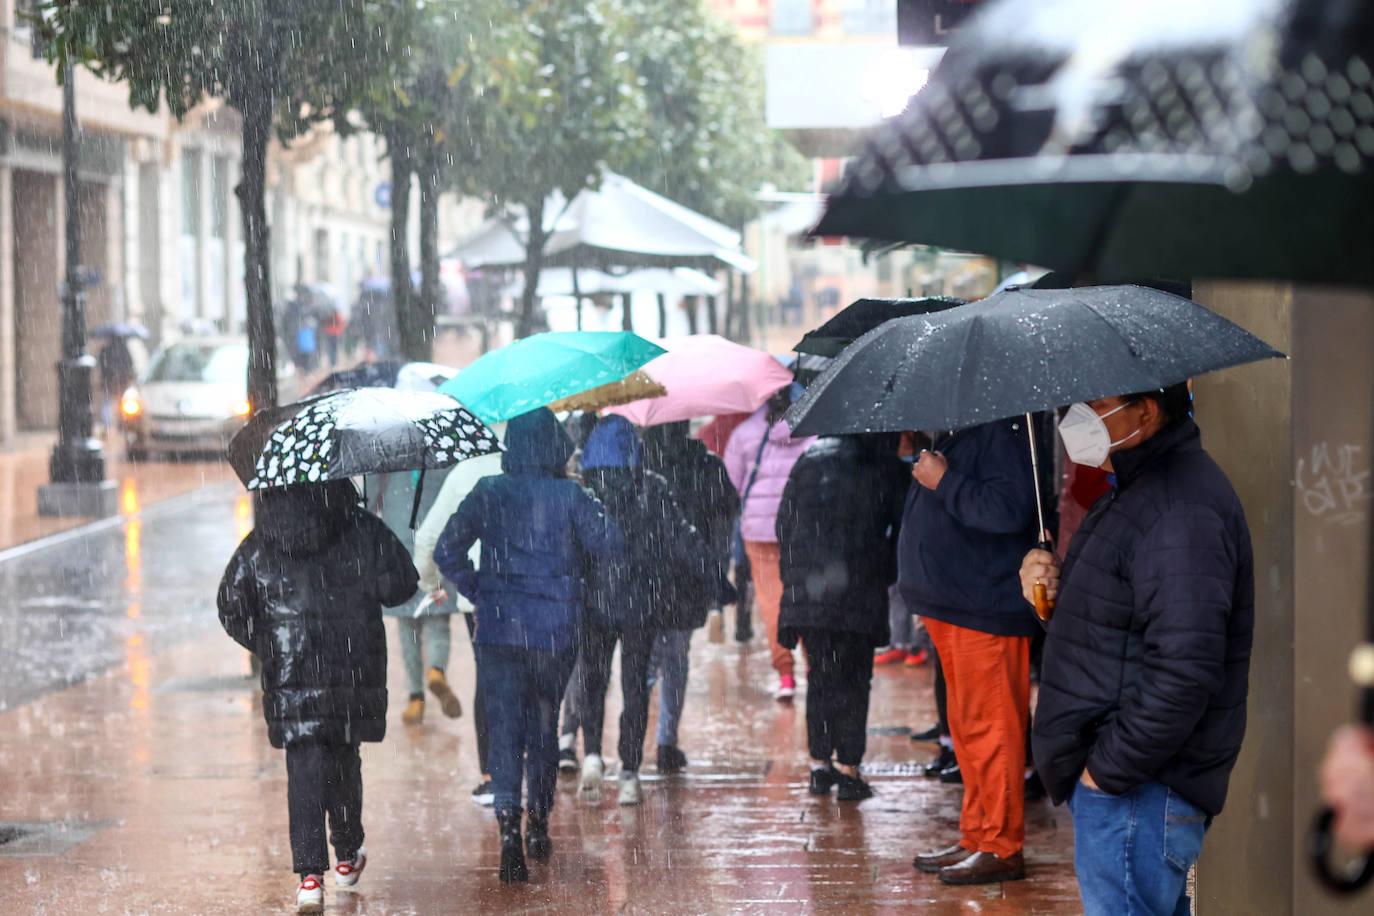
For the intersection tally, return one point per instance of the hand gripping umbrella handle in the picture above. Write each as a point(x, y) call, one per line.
point(1044, 607)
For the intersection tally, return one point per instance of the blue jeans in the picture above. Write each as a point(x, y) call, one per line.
point(1132, 852)
point(522, 689)
point(671, 649)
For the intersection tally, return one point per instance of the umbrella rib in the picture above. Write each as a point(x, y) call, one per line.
point(1130, 347)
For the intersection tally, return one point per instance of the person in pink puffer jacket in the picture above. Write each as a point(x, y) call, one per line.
point(759, 470)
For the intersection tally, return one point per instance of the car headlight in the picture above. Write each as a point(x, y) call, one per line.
point(130, 405)
point(242, 408)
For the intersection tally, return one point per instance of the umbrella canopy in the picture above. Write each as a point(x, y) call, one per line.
point(354, 432)
point(633, 387)
point(862, 316)
point(1016, 352)
point(381, 374)
point(677, 281)
point(539, 370)
point(1167, 139)
point(706, 375)
point(121, 329)
point(618, 223)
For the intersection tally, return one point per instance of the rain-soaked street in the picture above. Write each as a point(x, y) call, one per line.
point(140, 779)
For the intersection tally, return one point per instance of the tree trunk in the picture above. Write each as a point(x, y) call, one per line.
point(712, 317)
point(252, 192)
point(577, 297)
point(627, 315)
point(401, 153)
point(662, 315)
point(690, 304)
point(534, 263)
point(418, 334)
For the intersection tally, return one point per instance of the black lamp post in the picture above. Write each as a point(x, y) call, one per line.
point(77, 466)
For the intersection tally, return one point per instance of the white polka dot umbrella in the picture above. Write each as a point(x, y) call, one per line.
point(353, 432)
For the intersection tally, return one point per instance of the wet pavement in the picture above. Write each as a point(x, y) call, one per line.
point(137, 760)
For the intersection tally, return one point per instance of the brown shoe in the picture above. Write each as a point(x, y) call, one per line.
point(985, 868)
point(448, 700)
point(932, 862)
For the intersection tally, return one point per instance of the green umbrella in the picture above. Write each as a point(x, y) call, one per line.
point(539, 370)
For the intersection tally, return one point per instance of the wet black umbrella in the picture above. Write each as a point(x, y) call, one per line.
point(1019, 351)
point(1173, 138)
point(356, 432)
point(862, 316)
point(380, 374)
point(125, 329)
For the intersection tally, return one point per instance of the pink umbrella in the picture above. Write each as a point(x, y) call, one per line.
point(706, 375)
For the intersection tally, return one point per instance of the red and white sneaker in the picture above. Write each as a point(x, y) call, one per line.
point(347, 872)
point(310, 897)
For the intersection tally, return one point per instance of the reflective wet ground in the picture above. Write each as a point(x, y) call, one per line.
point(139, 779)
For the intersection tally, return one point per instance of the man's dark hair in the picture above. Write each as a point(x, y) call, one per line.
point(1175, 402)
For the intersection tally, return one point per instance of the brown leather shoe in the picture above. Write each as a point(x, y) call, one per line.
point(932, 862)
point(985, 868)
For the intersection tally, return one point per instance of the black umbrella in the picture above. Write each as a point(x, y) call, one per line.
point(862, 316)
point(380, 374)
point(124, 329)
point(1137, 140)
point(356, 432)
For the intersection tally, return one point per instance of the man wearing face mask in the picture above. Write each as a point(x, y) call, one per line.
point(1143, 686)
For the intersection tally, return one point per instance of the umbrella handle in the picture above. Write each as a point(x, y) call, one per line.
point(1044, 607)
point(1319, 845)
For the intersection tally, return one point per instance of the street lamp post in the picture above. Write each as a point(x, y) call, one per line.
point(77, 466)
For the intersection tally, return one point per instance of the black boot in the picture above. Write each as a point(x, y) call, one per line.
point(512, 855)
point(537, 842)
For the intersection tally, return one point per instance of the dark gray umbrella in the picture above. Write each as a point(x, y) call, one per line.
point(1019, 351)
point(1175, 138)
point(355, 432)
point(862, 316)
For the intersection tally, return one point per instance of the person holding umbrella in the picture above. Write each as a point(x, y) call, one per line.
point(534, 526)
point(304, 594)
point(1143, 686)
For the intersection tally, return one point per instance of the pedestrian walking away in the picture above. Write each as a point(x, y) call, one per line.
point(839, 515)
point(422, 623)
point(759, 458)
point(304, 593)
point(969, 520)
point(534, 526)
point(1146, 667)
point(701, 484)
point(456, 486)
point(629, 596)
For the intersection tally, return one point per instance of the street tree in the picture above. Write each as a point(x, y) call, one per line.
point(556, 100)
point(283, 65)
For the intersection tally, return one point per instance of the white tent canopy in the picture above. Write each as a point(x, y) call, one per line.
point(618, 223)
point(672, 282)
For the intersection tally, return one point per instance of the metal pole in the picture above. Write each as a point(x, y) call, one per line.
point(77, 457)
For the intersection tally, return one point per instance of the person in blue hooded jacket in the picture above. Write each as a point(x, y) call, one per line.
point(631, 596)
point(535, 528)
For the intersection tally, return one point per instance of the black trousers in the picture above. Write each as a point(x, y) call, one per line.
point(323, 780)
point(838, 683)
point(479, 708)
point(941, 695)
point(636, 648)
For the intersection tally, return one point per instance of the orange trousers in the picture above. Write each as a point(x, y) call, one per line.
point(988, 681)
point(765, 570)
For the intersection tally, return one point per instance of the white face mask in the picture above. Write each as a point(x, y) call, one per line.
point(1086, 438)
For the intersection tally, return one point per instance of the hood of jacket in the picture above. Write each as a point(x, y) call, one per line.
point(613, 444)
point(303, 520)
point(536, 443)
point(670, 443)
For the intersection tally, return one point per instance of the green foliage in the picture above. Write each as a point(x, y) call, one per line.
point(316, 60)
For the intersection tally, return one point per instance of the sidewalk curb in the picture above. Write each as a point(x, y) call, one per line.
point(172, 503)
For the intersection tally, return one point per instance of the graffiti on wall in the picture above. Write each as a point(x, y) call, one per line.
point(1333, 482)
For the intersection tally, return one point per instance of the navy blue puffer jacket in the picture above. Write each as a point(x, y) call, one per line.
point(534, 525)
point(1147, 661)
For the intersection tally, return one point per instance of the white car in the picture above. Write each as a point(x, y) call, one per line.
point(193, 397)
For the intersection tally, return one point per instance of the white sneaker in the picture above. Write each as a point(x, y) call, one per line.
point(593, 770)
point(310, 896)
point(630, 791)
point(347, 872)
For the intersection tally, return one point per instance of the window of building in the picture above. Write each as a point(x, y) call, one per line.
point(190, 191)
point(792, 17)
point(322, 255)
point(219, 196)
point(24, 33)
point(869, 17)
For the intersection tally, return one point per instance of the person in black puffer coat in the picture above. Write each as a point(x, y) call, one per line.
point(628, 596)
point(702, 486)
point(1143, 687)
point(837, 535)
point(304, 593)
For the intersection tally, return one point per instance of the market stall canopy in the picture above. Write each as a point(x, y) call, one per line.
point(619, 223)
point(672, 282)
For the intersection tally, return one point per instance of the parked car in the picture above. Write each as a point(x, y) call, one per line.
point(193, 397)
